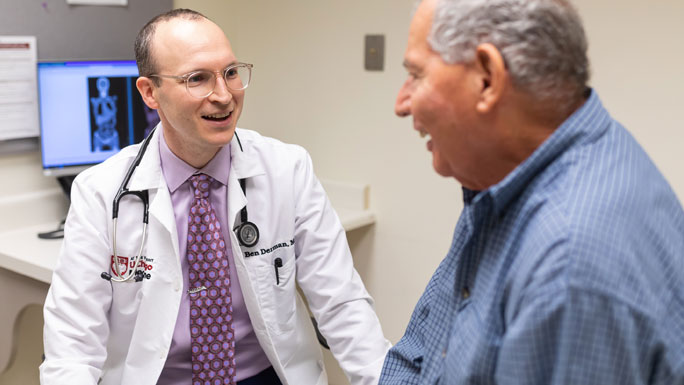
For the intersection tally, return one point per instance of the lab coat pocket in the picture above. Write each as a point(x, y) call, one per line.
point(278, 293)
point(126, 298)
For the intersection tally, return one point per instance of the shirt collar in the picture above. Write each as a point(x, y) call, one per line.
point(585, 125)
point(177, 171)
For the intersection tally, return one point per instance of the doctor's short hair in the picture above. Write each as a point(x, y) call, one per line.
point(542, 42)
point(143, 54)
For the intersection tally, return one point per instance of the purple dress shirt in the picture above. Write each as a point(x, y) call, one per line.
point(250, 358)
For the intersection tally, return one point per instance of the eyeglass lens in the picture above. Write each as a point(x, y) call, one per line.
point(201, 84)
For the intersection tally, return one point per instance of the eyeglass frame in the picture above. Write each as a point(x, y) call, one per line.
point(187, 76)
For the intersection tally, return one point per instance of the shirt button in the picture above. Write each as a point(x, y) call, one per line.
point(465, 293)
point(177, 287)
point(444, 353)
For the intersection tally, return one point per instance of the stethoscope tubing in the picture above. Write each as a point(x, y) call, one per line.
point(144, 197)
point(130, 274)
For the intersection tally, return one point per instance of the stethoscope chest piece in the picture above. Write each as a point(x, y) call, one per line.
point(248, 234)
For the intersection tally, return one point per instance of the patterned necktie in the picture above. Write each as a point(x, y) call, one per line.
point(211, 307)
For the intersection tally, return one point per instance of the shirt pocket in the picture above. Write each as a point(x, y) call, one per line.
point(277, 292)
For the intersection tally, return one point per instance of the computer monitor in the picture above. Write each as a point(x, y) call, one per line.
point(89, 110)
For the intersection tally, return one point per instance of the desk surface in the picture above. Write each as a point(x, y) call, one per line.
point(21, 250)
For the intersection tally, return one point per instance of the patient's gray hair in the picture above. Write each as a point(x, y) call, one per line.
point(542, 42)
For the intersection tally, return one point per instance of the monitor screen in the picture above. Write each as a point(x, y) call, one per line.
point(89, 110)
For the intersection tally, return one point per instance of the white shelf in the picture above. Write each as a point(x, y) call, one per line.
point(351, 201)
point(354, 219)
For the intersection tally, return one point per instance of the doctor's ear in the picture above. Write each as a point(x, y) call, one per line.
point(147, 88)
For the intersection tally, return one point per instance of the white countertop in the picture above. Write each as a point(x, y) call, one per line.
point(21, 251)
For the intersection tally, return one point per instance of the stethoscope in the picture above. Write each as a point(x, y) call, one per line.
point(247, 232)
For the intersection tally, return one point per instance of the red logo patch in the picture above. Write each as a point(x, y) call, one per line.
point(123, 265)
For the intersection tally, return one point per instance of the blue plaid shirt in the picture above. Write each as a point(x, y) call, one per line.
point(568, 271)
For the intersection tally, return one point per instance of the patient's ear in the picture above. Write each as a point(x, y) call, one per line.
point(493, 76)
point(147, 90)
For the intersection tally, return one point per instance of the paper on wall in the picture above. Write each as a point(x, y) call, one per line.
point(98, 2)
point(18, 87)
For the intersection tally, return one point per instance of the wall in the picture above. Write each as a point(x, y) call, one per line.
point(309, 87)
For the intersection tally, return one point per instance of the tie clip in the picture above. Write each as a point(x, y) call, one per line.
point(196, 289)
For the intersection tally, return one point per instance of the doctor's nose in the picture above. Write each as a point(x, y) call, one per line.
point(402, 106)
point(221, 94)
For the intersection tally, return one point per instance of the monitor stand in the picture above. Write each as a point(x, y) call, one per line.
point(65, 183)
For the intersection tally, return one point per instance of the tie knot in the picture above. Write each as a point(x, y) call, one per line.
point(200, 185)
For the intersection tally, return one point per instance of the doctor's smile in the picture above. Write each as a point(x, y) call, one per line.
point(218, 117)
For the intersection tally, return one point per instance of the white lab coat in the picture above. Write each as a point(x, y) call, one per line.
point(121, 332)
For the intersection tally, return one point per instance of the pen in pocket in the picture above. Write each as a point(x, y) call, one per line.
point(277, 263)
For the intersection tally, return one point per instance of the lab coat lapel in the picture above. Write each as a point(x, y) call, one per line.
point(244, 164)
point(149, 176)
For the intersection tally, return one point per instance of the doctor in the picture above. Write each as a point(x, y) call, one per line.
point(205, 307)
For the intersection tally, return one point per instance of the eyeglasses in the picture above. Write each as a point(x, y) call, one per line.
point(201, 84)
